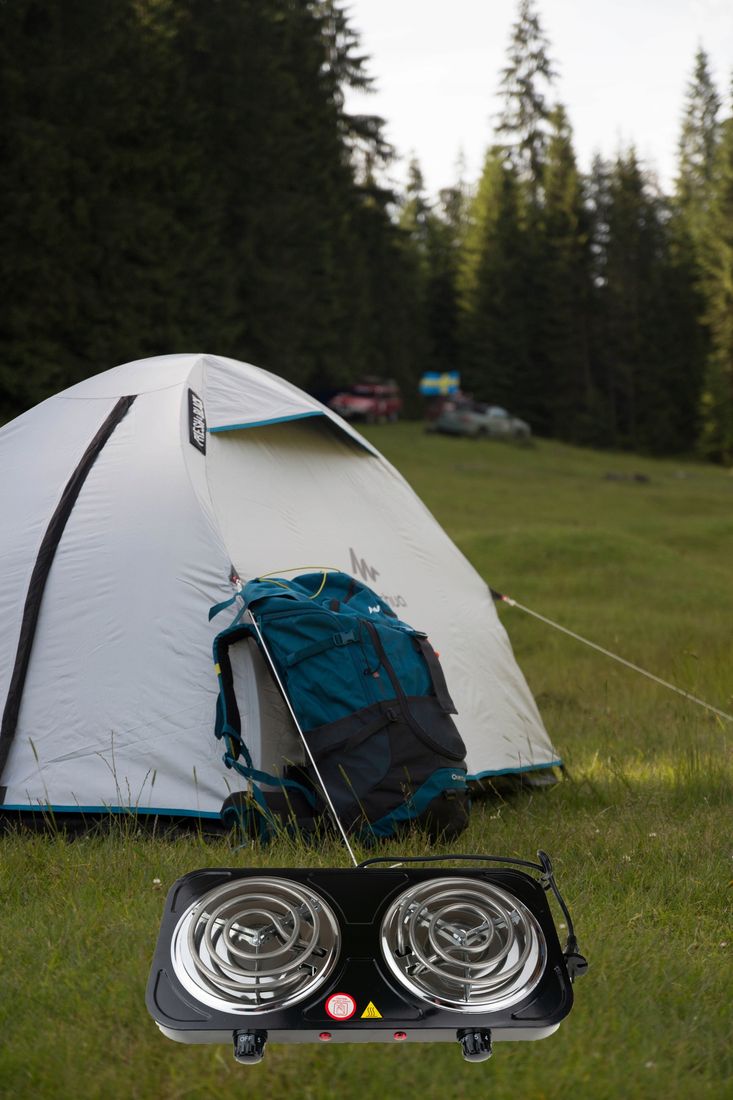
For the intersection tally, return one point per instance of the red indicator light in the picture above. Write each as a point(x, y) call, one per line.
point(325, 1036)
point(399, 1035)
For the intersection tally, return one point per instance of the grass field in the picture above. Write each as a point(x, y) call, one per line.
point(641, 834)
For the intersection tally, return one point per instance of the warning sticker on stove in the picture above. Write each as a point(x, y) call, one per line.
point(340, 1006)
point(371, 1012)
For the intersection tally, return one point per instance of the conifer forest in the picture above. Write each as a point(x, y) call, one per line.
point(186, 175)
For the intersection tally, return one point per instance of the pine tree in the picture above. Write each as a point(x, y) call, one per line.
point(717, 262)
point(495, 348)
point(685, 335)
point(523, 131)
point(523, 124)
point(682, 337)
point(598, 205)
point(564, 319)
point(697, 144)
point(345, 66)
point(628, 268)
point(414, 222)
point(445, 232)
point(647, 377)
point(435, 233)
point(414, 208)
point(390, 322)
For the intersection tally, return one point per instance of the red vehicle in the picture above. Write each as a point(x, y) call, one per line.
point(372, 399)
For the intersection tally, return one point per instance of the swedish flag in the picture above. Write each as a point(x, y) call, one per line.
point(434, 384)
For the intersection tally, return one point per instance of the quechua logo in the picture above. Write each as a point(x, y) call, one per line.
point(196, 422)
point(359, 566)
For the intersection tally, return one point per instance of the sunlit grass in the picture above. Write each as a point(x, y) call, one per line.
point(641, 831)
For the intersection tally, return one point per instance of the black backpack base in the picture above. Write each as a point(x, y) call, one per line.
point(273, 813)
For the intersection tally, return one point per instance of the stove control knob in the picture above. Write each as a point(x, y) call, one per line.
point(249, 1046)
point(475, 1044)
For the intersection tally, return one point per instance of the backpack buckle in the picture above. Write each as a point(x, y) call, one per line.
point(345, 638)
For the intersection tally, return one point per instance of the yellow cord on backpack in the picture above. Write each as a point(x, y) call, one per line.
point(325, 569)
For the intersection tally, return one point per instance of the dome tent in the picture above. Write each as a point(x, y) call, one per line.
point(127, 501)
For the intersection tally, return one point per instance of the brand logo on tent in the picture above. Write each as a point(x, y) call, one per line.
point(369, 574)
point(358, 565)
point(196, 422)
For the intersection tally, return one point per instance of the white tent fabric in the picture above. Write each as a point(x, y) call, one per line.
point(117, 706)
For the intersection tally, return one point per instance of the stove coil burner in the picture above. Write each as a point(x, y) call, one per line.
point(463, 944)
point(255, 945)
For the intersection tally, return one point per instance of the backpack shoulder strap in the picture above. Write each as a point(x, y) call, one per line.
point(440, 687)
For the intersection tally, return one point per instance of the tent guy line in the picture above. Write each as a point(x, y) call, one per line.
point(501, 598)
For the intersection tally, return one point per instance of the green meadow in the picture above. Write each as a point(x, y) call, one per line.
point(640, 830)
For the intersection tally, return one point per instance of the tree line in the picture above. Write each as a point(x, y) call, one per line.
point(186, 175)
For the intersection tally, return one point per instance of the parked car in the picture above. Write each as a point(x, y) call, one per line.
point(373, 400)
point(477, 420)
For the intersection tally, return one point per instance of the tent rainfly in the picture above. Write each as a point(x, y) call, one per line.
point(128, 501)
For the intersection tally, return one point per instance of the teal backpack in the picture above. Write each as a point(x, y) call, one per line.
point(370, 698)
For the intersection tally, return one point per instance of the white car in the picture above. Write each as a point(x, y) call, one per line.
point(471, 418)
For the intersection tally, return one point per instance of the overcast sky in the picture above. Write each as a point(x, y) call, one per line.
point(623, 68)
